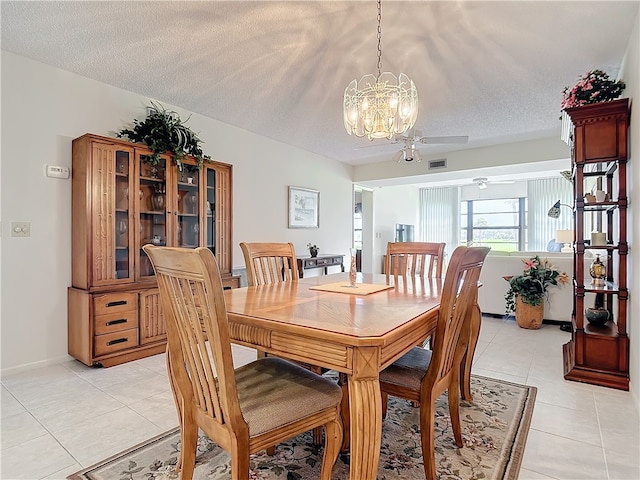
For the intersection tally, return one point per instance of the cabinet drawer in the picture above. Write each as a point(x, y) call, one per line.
point(113, 342)
point(115, 322)
point(114, 302)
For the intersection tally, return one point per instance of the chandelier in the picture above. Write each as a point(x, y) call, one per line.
point(380, 106)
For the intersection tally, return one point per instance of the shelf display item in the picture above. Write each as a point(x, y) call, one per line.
point(598, 271)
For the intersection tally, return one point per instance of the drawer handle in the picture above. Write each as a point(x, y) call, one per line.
point(116, 341)
point(116, 322)
point(116, 303)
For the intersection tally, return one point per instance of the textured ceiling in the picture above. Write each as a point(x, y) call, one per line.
point(491, 70)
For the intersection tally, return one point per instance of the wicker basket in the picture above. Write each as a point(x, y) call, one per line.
point(529, 316)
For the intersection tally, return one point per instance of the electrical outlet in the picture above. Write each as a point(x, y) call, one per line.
point(20, 229)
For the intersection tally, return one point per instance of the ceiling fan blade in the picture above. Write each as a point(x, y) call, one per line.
point(449, 139)
point(504, 182)
point(378, 145)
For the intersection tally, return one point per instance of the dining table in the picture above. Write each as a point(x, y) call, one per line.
point(358, 331)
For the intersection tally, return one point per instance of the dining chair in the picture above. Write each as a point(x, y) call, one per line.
point(422, 375)
point(243, 410)
point(424, 259)
point(269, 263)
point(409, 260)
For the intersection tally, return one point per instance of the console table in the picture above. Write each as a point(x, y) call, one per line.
point(306, 262)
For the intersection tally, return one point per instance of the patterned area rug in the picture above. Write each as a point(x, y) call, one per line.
point(494, 428)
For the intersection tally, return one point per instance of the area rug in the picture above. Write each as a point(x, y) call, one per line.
point(494, 428)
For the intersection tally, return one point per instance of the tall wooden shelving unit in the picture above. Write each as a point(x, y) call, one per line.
point(120, 202)
point(598, 137)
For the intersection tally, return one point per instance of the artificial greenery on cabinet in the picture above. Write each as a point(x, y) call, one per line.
point(163, 131)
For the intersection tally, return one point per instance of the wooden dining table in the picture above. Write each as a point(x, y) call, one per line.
point(357, 335)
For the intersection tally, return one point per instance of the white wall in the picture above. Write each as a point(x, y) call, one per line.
point(392, 205)
point(631, 76)
point(43, 109)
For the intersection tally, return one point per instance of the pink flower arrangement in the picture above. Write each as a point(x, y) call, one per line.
point(593, 87)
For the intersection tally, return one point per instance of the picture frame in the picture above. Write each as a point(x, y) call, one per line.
point(304, 208)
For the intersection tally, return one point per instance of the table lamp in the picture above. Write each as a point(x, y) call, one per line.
point(566, 237)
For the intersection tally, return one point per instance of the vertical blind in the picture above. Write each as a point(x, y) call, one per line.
point(543, 194)
point(440, 216)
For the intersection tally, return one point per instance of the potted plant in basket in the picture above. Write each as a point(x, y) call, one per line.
point(527, 291)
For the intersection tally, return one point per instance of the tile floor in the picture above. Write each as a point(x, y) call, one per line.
point(58, 419)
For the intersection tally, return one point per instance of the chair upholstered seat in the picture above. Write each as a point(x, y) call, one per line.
point(270, 399)
point(408, 370)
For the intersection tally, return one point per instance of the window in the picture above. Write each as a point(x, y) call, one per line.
point(496, 223)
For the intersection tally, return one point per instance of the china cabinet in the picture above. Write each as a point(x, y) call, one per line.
point(598, 352)
point(120, 202)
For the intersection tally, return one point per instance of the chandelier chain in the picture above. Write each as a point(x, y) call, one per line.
point(379, 38)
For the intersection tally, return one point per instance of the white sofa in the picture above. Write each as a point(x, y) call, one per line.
point(494, 287)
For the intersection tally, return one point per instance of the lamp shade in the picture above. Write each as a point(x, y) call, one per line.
point(564, 236)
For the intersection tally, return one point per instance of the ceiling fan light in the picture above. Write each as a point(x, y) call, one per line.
point(399, 156)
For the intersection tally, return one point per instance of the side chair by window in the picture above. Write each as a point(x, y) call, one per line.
point(269, 262)
point(423, 259)
point(410, 260)
point(243, 410)
point(422, 375)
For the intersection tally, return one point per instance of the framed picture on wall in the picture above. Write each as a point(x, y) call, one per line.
point(304, 208)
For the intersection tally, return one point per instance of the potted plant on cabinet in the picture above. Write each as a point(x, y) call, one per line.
point(163, 131)
point(527, 291)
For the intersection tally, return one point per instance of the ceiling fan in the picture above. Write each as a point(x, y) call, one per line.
point(409, 153)
point(482, 182)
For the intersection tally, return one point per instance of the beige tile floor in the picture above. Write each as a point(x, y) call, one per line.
point(58, 419)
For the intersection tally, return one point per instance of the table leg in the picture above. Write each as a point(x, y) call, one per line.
point(365, 407)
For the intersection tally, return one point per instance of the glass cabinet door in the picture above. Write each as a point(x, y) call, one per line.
point(123, 215)
point(210, 209)
point(152, 207)
point(188, 207)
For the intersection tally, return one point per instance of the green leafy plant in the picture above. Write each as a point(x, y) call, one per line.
point(163, 131)
point(532, 285)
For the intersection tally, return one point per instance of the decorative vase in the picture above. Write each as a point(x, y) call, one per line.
point(157, 201)
point(353, 272)
point(529, 316)
point(597, 315)
point(598, 271)
point(313, 252)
